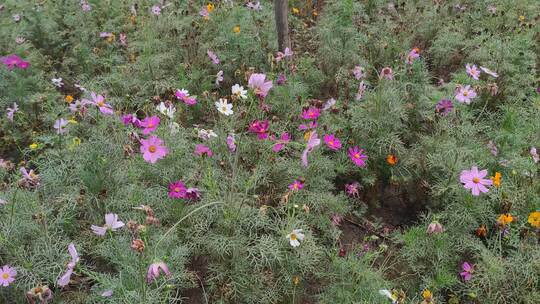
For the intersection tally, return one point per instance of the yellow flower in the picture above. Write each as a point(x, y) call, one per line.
point(236, 29)
point(296, 280)
point(295, 10)
point(521, 18)
point(505, 219)
point(69, 98)
point(496, 179)
point(76, 141)
point(33, 146)
point(111, 38)
point(307, 135)
point(72, 121)
point(534, 219)
point(426, 294)
point(209, 7)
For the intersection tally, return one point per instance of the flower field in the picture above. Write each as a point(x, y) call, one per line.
point(160, 151)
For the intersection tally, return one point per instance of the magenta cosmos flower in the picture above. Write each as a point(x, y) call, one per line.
point(99, 101)
point(259, 84)
point(473, 71)
point(203, 150)
point(311, 114)
point(154, 271)
point(13, 61)
point(259, 127)
point(465, 94)
point(468, 269)
point(332, 142)
point(111, 223)
point(177, 190)
point(313, 141)
point(352, 189)
point(296, 185)
point(150, 124)
point(357, 156)
point(183, 95)
point(474, 180)
point(280, 143)
point(7, 275)
point(152, 149)
point(444, 106)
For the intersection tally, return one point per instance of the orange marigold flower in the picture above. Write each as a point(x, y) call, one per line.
point(496, 179)
point(236, 29)
point(481, 231)
point(391, 159)
point(534, 219)
point(295, 11)
point(209, 7)
point(505, 219)
point(69, 98)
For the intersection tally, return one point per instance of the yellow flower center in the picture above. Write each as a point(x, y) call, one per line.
point(177, 189)
point(476, 180)
point(150, 125)
point(5, 276)
point(293, 237)
point(223, 108)
point(331, 143)
point(101, 103)
point(465, 93)
point(152, 149)
point(357, 155)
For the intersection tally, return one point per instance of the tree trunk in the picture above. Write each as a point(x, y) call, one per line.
point(281, 9)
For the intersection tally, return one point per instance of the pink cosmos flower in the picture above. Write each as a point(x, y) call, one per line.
point(193, 194)
point(465, 94)
point(386, 73)
point(150, 124)
point(79, 106)
point(534, 154)
point(474, 180)
point(309, 126)
point(313, 141)
point(489, 72)
point(11, 111)
point(7, 275)
point(65, 278)
point(444, 106)
point(152, 149)
point(357, 156)
point(254, 6)
point(59, 126)
point(154, 271)
point(156, 10)
point(111, 223)
point(352, 189)
point(30, 178)
point(213, 57)
point(183, 95)
point(202, 150)
point(12, 61)
point(468, 269)
point(177, 190)
point(413, 54)
point(473, 71)
point(296, 185)
point(284, 139)
point(358, 72)
point(434, 228)
point(332, 142)
point(204, 12)
point(259, 84)
point(311, 114)
point(231, 143)
point(99, 101)
point(280, 55)
point(259, 127)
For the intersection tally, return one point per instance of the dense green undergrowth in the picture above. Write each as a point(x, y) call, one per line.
point(218, 214)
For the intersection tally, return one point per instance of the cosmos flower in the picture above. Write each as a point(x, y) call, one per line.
point(65, 278)
point(57, 82)
point(7, 275)
point(295, 237)
point(435, 227)
point(177, 190)
point(444, 106)
point(296, 185)
point(467, 272)
point(254, 6)
point(154, 271)
point(284, 139)
point(332, 142)
point(352, 189)
point(156, 10)
point(489, 72)
point(358, 72)
point(231, 143)
point(223, 107)
point(99, 101)
point(30, 178)
point(149, 124)
point(213, 57)
point(357, 156)
point(474, 180)
point(12, 61)
point(413, 54)
point(259, 84)
point(281, 55)
point(312, 142)
point(386, 73)
point(238, 91)
point(59, 126)
point(329, 103)
point(465, 94)
point(473, 71)
point(184, 96)
point(152, 149)
point(203, 150)
point(259, 127)
point(311, 114)
point(111, 223)
point(166, 110)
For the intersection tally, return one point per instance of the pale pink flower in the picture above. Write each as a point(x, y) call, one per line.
point(473, 71)
point(313, 141)
point(111, 223)
point(474, 180)
point(259, 84)
point(465, 94)
point(213, 57)
point(154, 271)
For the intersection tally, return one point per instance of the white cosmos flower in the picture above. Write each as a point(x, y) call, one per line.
point(239, 91)
point(490, 72)
point(167, 111)
point(223, 107)
point(57, 82)
point(295, 237)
